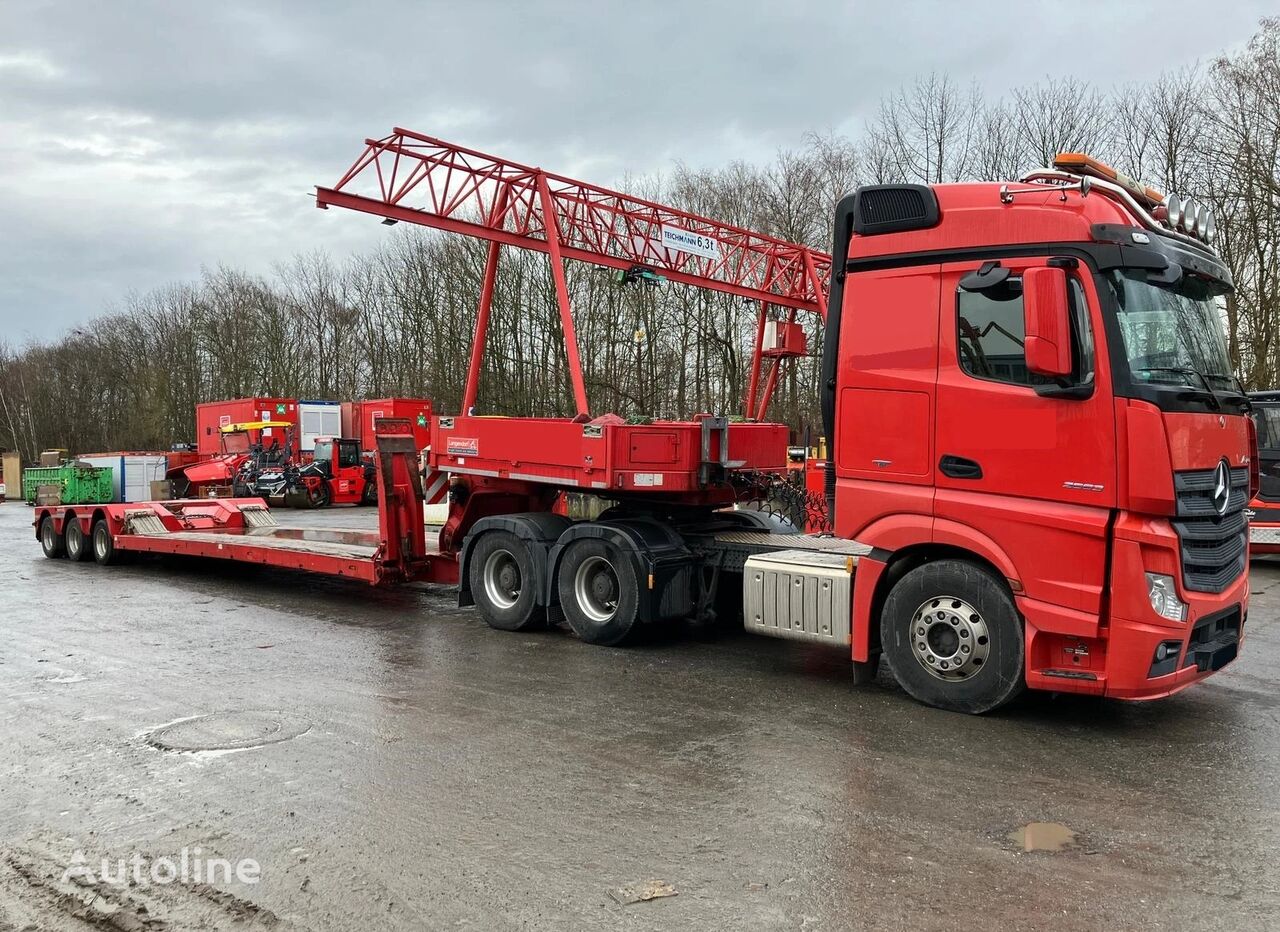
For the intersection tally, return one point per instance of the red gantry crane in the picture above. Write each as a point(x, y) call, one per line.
point(413, 178)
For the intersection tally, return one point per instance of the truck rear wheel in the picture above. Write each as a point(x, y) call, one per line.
point(953, 638)
point(77, 542)
point(504, 582)
point(50, 540)
point(104, 548)
point(599, 592)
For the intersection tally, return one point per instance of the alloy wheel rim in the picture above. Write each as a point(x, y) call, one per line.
point(502, 582)
point(949, 638)
point(595, 586)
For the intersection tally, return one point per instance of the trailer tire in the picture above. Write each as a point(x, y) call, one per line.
point(953, 638)
point(504, 582)
point(599, 592)
point(77, 542)
point(104, 547)
point(51, 541)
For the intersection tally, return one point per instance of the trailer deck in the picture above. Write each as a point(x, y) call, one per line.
point(332, 552)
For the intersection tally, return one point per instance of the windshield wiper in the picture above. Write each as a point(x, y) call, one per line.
point(1187, 370)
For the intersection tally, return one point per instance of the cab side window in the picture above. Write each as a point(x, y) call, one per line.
point(991, 334)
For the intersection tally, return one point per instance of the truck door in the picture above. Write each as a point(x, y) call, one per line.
point(888, 364)
point(1031, 471)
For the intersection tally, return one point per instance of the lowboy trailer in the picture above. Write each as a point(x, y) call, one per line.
point(1040, 459)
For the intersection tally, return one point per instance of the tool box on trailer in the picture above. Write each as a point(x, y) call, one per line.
point(607, 453)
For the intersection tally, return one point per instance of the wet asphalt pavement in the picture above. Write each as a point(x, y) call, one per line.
point(409, 768)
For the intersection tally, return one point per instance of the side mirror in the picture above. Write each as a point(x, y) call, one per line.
point(1046, 322)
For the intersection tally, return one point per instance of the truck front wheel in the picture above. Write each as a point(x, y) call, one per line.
point(953, 638)
point(504, 582)
point(599, 592)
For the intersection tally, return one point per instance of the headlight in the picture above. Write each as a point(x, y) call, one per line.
point(1164, 597)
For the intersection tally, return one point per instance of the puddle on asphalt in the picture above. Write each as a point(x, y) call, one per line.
point(1043, 836)
point(227, 732)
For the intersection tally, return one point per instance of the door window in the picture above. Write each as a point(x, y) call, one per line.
point(992, 334)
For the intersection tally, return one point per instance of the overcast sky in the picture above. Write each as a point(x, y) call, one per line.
point(142, 141)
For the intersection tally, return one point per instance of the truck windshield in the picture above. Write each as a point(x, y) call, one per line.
point(1172, 333)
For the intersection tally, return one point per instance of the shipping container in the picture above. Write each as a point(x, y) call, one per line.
point(317, 419)
point(211, 416)
point(80, 485)
point(358, 418)
point(131, 472)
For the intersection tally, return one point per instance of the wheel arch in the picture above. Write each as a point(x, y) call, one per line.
point(540, 528)
point(896, 565)
point(657, 553)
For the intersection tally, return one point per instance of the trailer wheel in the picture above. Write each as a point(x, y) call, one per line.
point(953, 638)
point(599, 592)
point(77, 542)
point(504, 583)
point(104, 548)
point(51, 541)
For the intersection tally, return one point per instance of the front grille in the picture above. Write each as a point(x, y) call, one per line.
point(1214, 548)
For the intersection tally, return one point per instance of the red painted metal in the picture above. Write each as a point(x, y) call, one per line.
point(472, 389)
point(661, 458)
point(406, 176)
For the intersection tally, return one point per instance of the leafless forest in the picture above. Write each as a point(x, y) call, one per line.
point(397, 321)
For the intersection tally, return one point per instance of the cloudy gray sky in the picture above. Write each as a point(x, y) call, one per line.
point(140, 141)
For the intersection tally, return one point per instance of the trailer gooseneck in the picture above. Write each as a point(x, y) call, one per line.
point(1040, 458)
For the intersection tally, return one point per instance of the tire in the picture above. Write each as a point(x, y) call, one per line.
point(77, 542)
point(322, 496)
point(599, 592)
point(51, 541)
point(953, 638)
point(369, 496)
point(504, 582)
point(104, 548)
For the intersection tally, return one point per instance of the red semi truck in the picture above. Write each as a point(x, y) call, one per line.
point(1040, 460)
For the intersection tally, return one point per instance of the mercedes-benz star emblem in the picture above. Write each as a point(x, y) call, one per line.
point(1221, 488)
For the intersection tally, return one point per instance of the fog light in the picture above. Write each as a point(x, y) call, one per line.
point(1164, 597)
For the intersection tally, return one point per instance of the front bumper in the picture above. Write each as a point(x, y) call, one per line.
point(1120, 656)
point(1206, 642)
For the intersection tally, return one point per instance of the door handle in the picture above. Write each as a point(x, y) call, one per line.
point(957, 467)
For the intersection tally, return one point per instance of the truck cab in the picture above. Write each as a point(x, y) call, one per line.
point(1031, 414)
point(1264, 510)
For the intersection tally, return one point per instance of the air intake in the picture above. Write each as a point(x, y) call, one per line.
point(893, 208)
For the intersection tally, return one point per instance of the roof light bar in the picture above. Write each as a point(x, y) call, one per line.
point(1170, 214)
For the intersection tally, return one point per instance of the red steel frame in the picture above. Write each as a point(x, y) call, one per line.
point(420, 179)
